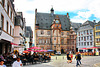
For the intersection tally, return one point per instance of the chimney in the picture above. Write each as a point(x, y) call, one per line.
point(36, 11)
point(68, 15)
point(94, 21)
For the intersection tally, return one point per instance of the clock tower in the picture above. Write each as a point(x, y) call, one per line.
point(56, 33)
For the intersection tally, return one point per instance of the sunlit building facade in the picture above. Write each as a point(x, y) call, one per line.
point(53, 31)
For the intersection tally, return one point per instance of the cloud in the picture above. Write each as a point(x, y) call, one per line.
point(79, 10)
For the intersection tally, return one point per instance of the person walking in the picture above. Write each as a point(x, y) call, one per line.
point(14, 57)
point(78, 59)
point(2, 63)
point(71, 57)
point(68, 58)
point(17, 63)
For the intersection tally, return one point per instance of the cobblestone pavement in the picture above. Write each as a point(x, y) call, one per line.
point(87, 61)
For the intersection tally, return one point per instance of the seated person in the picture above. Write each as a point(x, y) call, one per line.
point(2, 63)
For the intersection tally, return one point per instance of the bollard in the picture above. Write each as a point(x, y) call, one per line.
point(56, 58)
point(63, 57)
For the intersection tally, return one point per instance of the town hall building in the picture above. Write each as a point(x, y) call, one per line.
point(53, 31)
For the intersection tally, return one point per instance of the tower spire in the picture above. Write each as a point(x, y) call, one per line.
point(52, 10)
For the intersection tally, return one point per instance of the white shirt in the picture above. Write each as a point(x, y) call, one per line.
point(3, 66)
point(14, 56)
point(16, 64)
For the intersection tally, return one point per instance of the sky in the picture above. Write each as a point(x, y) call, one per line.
point(79, 10)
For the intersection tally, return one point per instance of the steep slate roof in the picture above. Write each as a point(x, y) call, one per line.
point(76, 25)
point(45, 21)
point(90, 23)
point(98, 23)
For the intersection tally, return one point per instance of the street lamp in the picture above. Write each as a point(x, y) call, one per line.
point(0, 31)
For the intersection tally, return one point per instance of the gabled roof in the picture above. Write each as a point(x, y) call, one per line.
point(92, 24)
point(45, 20)
point(76, 25)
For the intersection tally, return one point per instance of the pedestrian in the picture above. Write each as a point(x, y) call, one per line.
point(17, 63)
point(71, 57)
point(78, 59)
point(2, 63)
point(14, 57)
point(68, 58)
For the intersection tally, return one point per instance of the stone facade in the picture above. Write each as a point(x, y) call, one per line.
point(54, 32)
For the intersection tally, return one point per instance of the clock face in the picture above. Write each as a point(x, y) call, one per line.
point(57, 21)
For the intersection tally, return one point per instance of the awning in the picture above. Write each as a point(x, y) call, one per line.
point(14, 44)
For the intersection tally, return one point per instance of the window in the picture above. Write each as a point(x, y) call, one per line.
point(40, 41)
point(90, 37)
point(11, 15)
point(67, 33)
point(84, 32)
point(79, 44)
point(3, 3)
point(2, 21)
point(87, 37)
point(90, 43)
point(10, 30)
point(84, 38)
point(48, 32)
point(87, 43)
point(42, 32)
point(54, 38)
point(62, 41)
point(8, 9)
point(68, 42)
point(13, 32)
point(62, 33)
point(97, 27)
point(79, 33)
point(97, 40)
point(84, 43)
point(99, 33)
point(81, 38)
point(7, 27)
point(96, 33)
point(72, 42)
point(87, 32)
point(46, 41)
point(90, 31)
